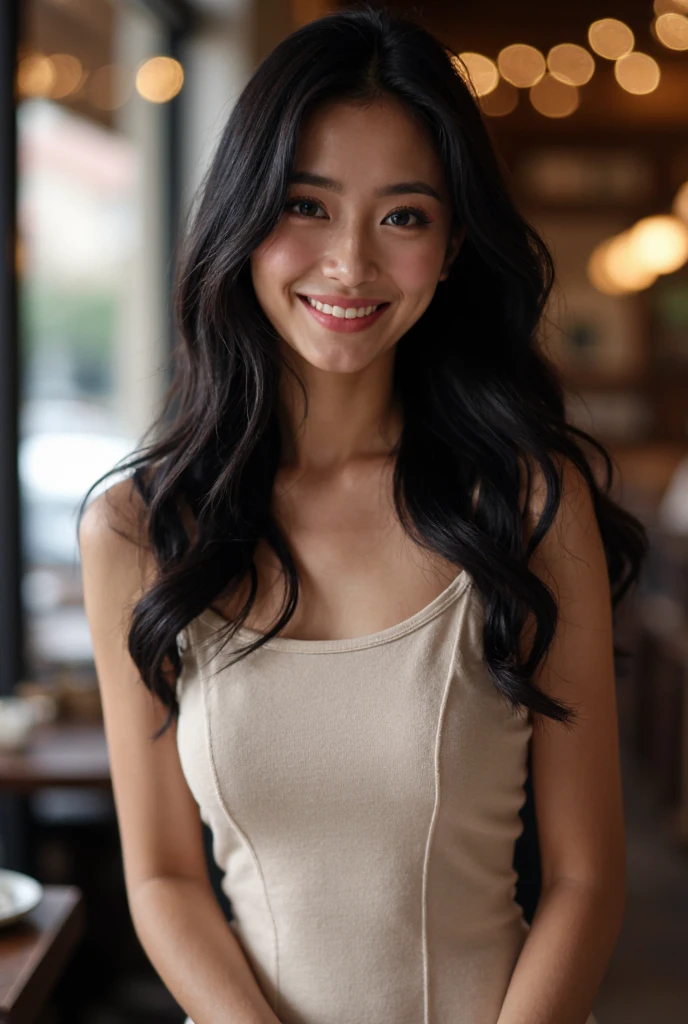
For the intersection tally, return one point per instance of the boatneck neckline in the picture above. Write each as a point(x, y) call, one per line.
point(383, 636)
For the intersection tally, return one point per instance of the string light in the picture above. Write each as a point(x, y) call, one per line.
point(69, 75)
point(159, 79)
point(571, 63)
point(680, 204)
point(613, 268)
point(668, 6)
point(672, 31)
point(109, 87)
point(637, 73)
point(610, 38)
point(659, 243)
point(521, 65)
point(501, 101)
point(554, 98)
point(483, 72)
point(35, 76)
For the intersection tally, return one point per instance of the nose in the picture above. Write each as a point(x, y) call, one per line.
point(350, 258)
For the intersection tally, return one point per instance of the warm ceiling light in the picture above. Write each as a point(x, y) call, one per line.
point(483, 72)
point(672, 31)
point(680, 204)
point(35, 75)
point(637, 73)
point(109, 87)
point(610, 38)
point(69, 74)
point(660, 244)
point(571, 63)
point(159, 79)
point(501, 101)
point(554, 98)
point(613, 268)
point(521, 65)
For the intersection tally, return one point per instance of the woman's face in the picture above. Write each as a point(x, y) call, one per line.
point(367, 222)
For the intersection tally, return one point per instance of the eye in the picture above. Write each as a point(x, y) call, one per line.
point(308, 202)
point(303, 201)
point(413, 211)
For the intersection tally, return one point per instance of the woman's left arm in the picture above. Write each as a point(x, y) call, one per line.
point(576, 780)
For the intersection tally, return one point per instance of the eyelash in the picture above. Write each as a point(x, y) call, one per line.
point(423, 218)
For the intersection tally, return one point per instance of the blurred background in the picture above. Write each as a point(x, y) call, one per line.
point(109, 113)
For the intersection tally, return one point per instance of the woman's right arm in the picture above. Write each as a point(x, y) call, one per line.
point(177, 918)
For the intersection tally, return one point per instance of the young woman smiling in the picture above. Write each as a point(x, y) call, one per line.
point(362, 575)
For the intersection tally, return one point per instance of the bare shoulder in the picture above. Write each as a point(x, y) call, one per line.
point(113, 531)
point(575, 522)
point(119, 512)
point(117, 562)
point(574, 486)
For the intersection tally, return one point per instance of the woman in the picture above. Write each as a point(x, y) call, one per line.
point(365, 567)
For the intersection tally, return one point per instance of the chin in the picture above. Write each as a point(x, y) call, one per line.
point(336, 357)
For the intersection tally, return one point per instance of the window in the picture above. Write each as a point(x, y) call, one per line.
point(92, 130)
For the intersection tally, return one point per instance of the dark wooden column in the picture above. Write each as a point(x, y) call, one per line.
point(11, 653)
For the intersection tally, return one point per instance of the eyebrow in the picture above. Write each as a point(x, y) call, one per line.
point(400, 188)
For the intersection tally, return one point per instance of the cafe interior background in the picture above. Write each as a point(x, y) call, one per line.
point(110, 109)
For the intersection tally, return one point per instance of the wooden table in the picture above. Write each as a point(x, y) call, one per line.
point(35, 950)
point(58, 754)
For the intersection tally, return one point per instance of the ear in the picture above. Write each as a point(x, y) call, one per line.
point(453, 247)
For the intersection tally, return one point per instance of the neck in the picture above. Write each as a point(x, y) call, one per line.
point(350, 415)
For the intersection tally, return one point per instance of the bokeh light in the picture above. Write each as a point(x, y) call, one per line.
point(637, 73)
point(571, 63)
point(610, 38)
point(669, 6)
point(554, 98)
point(109, 87)
point(159, 79)
point(501, 101)
point(69, 75)
point(521, 65)
point(659, 243)
point(483, 72)
point(680, 204)
point(672, 31)
point(36, 76)
point(614, 269)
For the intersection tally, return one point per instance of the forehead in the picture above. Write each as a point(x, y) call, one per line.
point(378, 140)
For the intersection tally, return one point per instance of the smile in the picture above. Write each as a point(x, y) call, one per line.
point(343, 318)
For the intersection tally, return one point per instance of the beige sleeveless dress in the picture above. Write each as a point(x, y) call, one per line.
point(363, 797)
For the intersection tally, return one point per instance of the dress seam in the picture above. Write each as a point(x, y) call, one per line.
point(433, 822)
point(245, 839)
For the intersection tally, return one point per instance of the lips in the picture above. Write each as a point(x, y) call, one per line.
point(340, 324)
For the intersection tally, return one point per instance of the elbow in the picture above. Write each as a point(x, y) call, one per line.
point(605, 897)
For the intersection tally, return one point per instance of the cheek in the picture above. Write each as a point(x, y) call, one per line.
point(415, 267)
point(281, 258)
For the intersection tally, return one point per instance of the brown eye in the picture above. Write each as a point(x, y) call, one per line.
point(301, 202)
point(410, 211)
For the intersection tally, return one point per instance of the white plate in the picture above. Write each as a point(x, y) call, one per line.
point(18, 895)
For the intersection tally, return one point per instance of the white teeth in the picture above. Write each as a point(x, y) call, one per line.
point(342, 313)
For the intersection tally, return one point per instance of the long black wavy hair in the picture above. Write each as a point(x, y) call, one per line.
point(479, 399)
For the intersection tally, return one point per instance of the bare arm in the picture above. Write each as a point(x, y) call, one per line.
point(576, 784)
point(185, 934)
point(177, 919)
